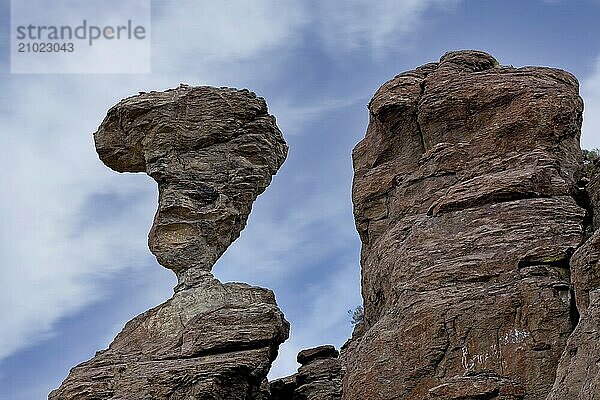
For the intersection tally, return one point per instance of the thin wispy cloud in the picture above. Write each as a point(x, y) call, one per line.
point(373, 25)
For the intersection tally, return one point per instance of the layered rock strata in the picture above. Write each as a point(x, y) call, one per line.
point(319, 377)
point(466, 201)
point(578, 374)
point(212, 152)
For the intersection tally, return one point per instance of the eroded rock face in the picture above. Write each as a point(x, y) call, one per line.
point(212, 152)
point(319, 377)
point(593, 188)
point(578, 375)
point(585, 271)
point(464, 198)
point(480, 386)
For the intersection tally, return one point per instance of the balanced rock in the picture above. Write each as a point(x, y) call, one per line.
point(212, 152)
point(464, 195)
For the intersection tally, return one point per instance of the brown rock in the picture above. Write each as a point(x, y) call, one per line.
point(319, 377)
point(212, 152)
point(482, 386)
point(309, 355)
point(283, 388)
point(578, 375)
point(585, 270)
point(463, 199)
point(213, 341)
point(593, 189)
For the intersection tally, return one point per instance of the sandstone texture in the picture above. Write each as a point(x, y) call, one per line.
point(578, 373)
point(212, 152)
point(467, 202)
point(593, 188)
point(319, 377)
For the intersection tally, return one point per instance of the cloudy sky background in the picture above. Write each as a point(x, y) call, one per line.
point(74, 264)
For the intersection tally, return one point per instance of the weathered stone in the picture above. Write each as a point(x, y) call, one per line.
point(319, 377)
point(464, 201)
point(283, 388)
point(477, 387)
point(213, 341)
point(593, 189)
point(585, 270)
point(308, 355)
point(578, 375)
point(212, 152)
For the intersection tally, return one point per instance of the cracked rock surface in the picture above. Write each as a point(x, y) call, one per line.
point(318, 378)
point(578, 374)
point(212, 152)
point(465, 201)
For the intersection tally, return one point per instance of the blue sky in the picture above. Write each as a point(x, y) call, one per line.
point(74, 264)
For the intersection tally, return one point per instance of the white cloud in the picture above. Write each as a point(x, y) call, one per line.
point(292, 118)
point(207, 41)
point(49, 171)
point(590, 91)
point(276, 246)
point(104, 56)
point(223, 33)
point(372, 24)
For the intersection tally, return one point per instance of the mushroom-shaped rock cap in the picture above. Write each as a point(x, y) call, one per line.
point(309, 355)
point(469, 60)
point(212, 151)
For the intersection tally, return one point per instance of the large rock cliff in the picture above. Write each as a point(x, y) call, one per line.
point(468, 203)
point(212, 152)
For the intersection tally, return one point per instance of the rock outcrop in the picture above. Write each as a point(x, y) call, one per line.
point(319, 377)
point(212, 152)
point(578, 374)
point(468, 208)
